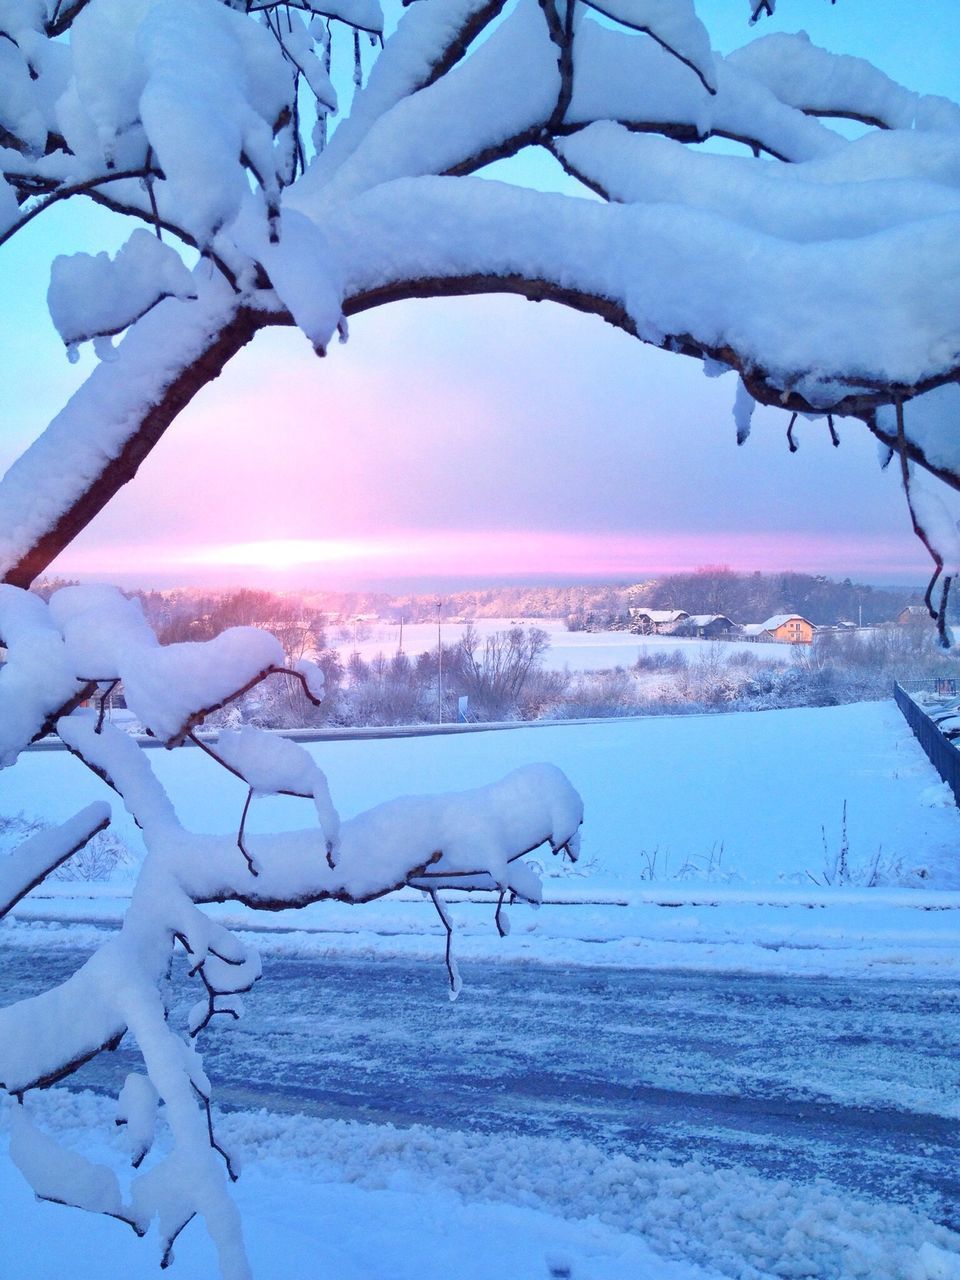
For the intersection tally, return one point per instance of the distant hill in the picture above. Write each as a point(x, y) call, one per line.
point(744, 597)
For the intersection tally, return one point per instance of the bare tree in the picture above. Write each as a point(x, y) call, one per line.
point(495, 670)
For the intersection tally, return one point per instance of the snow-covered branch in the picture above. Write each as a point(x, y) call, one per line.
point(478, 837)
point(31, 863)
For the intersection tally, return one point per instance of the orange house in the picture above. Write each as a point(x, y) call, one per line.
point(788, 628)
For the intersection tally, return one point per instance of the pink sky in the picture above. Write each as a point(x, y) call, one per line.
point(449, 441)
point(495, 554)
point(478, 437)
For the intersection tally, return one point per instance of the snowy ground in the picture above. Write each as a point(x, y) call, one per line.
point(703, 839)
point(569, 650)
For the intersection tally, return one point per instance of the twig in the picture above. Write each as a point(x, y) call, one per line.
point(240, 845)
point(791, 443)
point(452, 970)
point(103, 703)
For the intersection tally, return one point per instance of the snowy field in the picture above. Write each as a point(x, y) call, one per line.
point(703, 840)
point(569, 650)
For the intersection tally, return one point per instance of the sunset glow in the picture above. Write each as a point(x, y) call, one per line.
point(409, 556)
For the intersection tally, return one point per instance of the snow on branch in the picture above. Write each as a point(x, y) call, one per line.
point(30, 863)
point(96, 297)
point(752, 301)
point(231, 169)
point(625, 78)
point(820, 83)
point(96, 443)
point(673, 24)
point(429, 40)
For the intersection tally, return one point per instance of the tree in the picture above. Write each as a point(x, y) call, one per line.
point(494, 672)
point(206, 121)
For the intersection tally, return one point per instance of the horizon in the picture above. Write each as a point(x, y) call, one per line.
point(453, 586)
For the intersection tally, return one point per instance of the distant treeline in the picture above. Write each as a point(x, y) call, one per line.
point(754, 597)
point(744, 597)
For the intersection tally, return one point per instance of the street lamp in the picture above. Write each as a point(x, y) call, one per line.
point(439, 667)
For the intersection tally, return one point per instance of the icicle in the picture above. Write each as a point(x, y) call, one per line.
point(743, 407)
point(343, 329)
point(357, 64)
point(73, 352)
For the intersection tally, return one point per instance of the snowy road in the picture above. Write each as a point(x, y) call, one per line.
point(855, 1083)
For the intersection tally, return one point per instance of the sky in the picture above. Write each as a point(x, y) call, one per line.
point(479, 439)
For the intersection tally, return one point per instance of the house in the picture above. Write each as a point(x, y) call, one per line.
point(912, 614)
point(657, 622)
point(707, 626)
point(782, 628)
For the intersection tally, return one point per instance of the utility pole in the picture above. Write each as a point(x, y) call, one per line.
point(439, 667)
point(400, 646)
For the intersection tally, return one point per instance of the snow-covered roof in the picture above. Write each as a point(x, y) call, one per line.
point(660, 615)
point(754, 628)
point(704, 619)
point(779, 619)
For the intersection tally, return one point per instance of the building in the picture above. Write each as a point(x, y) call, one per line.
point(656, 622)
point(782, 628)
point(912, 614)
point(707, 626)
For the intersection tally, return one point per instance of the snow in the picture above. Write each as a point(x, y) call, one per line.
point(760, 294)
point(427, 133)
point(332, 1196)
point(97, 422)
point(700, 861)
point(673, 25)
point(569, 650)
point(27, 865)
point(702, 842)
point(812, 79)
point(96, 295)
point(202, 99)
point(639, 83)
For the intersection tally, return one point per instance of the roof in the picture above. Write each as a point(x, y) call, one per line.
point(754, 628)
point(660, 615)
point(704, 619)
point(779, 619)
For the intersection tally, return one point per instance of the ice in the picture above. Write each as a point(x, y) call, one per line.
point(743, 407)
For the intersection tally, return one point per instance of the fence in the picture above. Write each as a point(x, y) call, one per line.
point(941, 752)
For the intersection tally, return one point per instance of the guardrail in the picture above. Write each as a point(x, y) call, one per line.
point(940, 751)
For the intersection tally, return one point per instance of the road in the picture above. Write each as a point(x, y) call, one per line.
point(856, 1083)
